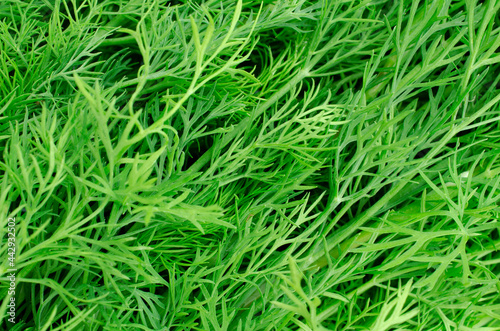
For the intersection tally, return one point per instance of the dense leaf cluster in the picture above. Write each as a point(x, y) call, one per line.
point(251, 165)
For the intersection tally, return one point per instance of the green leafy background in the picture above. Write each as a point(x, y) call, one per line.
point(251, 165)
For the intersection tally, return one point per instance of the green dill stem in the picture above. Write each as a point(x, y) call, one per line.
point(128, 40)
point(374, 91)
point(432, 201)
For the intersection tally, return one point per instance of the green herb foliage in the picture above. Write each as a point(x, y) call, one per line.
point(251, 165)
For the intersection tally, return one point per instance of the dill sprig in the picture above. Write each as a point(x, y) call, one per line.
point(250, 165)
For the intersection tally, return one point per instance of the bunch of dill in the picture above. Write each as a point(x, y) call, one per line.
point(250, 165)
